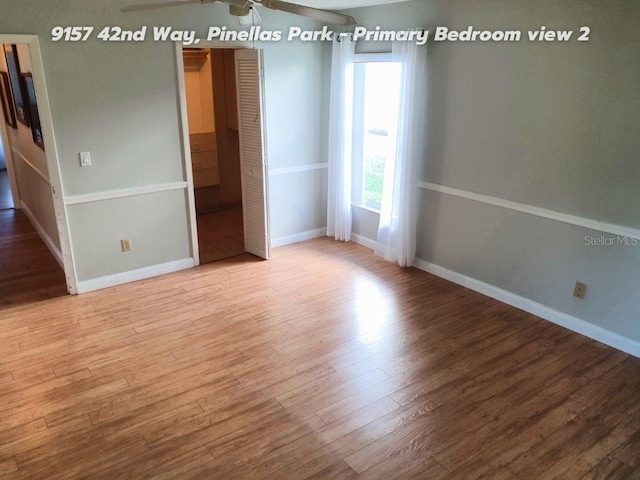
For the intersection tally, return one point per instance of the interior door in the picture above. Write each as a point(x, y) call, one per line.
point(249, 80)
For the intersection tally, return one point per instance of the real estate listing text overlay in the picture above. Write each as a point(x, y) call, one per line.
point(258, 34)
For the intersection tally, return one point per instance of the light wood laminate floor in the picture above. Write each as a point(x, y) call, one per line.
point(324, 362)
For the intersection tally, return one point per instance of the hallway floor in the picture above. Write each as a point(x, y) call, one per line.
point(5, 191)
point(28, 271)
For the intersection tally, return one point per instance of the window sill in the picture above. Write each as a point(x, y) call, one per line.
point(364, 207)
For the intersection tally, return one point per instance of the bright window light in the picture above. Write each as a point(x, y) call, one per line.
point(377, 91)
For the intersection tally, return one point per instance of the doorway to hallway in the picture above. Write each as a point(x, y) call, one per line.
point(5, 191)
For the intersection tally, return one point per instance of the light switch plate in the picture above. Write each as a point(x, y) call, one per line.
point(85, 159)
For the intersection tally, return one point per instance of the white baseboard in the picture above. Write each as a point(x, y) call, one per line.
point(364, 241)
point(298, 237)
point(471, 283)
point(134, 275)
point(575, 324)
point(43, 234)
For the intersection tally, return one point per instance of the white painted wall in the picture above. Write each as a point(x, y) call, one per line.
point(120, 102)
point(548, 125)
point(295, 130)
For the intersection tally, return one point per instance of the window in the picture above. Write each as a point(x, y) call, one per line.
point(375, 118)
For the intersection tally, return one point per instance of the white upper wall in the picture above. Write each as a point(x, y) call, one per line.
point(547, 124)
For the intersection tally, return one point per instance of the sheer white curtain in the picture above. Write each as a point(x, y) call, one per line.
point(399, 207)
point(339, 215)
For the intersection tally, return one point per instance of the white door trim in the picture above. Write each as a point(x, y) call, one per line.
point(186, 154)
point(51, 153)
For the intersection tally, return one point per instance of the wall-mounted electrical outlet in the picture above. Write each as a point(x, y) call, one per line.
point(125, 245)
point(580, 290)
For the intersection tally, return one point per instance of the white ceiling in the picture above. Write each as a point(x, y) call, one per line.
point(342, 4)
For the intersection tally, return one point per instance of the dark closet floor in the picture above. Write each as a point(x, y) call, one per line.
point(220, 234)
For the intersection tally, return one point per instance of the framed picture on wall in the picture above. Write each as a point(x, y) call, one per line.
point(8, 109)
point(17, 84)
point(32, 109)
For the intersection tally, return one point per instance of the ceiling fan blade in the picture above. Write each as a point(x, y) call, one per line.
point(151, 6)
point(315, 13)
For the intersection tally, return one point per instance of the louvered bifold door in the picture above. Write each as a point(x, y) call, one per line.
point(252, 151)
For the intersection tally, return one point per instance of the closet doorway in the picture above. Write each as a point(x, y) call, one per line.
point(223, 95)
point(215, 151)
